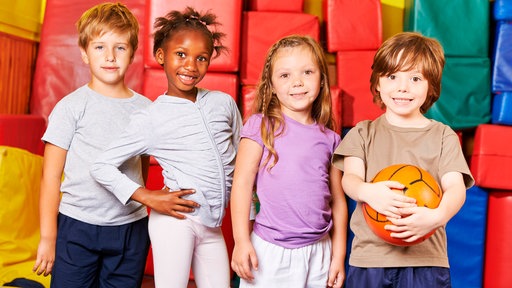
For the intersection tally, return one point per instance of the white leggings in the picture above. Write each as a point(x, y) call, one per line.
point(179, 245)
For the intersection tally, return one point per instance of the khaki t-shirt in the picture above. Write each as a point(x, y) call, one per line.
point(435, 148)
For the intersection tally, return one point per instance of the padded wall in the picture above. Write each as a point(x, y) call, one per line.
point(501, 108)
point(59, 67)
point(492, 157)
point(352, 25)
point(460, 25)
point(502, 54)
point(353, 73)
point(23, 131)
point(20, 177)
point(228, 12)
point(498, 257)
point(272, 5)
point(465, 100)
point(466, 233)
point(261, 29)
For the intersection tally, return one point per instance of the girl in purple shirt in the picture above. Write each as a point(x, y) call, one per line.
point(299, 235)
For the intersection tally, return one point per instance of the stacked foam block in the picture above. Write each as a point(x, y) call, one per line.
point(354, 33)
point(492, 156)
point(462, 28)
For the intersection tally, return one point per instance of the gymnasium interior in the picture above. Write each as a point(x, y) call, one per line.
point(40, 63)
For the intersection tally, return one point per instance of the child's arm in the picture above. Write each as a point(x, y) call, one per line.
point(422, 220)
point(378, 195)
point(49, 199)
point(339, 230)
point(247, 165)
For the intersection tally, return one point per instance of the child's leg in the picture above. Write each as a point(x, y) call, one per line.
point(125, 249)
point(211, 262)
point(76, 255)
point(282, 267)
point(172, 241)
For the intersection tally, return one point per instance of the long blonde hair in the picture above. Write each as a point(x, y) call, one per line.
point(268, 104)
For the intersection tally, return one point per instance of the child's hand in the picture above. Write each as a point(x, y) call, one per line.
point(385, 201)
point(45, 257)
point(243, 260)
point(421, 221)
point(336, 274)
point(170, 202)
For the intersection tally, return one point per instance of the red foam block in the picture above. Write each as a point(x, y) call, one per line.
point(353, 25)
point(276, 6)
point(492, 156)
point(262, 29)
point(498, 251)
point(23, 131)
point(353, 77)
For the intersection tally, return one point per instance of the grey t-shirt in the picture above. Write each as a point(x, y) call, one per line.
point(194, 142)
point(83, 123)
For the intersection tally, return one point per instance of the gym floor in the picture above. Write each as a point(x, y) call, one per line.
point(149, 283)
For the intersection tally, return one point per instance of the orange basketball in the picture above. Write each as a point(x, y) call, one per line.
point(419, 184)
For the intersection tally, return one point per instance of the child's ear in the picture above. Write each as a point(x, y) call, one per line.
point(159, 56)
point(84, 56)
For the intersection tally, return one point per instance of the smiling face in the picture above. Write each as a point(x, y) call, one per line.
point(296, 82)
point(108, 56)
point(185, 58)
point(403, 93)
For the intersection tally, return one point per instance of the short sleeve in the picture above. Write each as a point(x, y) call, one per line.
point(251, 129)
point(452, 158)
point(352, 145)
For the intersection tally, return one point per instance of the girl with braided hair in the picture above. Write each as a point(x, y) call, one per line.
point(299, 235)
point(193, 133)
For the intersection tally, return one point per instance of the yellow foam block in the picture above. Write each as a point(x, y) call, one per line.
point(392, 17)
point(20, 176)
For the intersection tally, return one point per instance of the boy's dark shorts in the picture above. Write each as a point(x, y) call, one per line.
point(399, 277)
point(99, 256)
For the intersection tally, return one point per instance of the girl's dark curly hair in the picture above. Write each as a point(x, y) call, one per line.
point(188, 19)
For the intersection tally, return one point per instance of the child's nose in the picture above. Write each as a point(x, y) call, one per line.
point(297, 82)
point(190, 64)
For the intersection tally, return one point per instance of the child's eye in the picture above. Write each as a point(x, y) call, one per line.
point(121, 48)
point(391, 77)
point(416, 79)
point(180, 54)
point(285, 75)
point(202, 59)
point(98, 47)
point(308, 72)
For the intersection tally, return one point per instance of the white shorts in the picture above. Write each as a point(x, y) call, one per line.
point(283, 267)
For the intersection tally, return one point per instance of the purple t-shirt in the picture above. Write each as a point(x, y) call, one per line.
point(294, 196)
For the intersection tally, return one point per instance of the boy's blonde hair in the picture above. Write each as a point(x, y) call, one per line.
point(267, 103)
point(405, 51)
point(107, 17)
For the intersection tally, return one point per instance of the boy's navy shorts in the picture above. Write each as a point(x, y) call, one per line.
point(399, 277)
point(99, 256)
